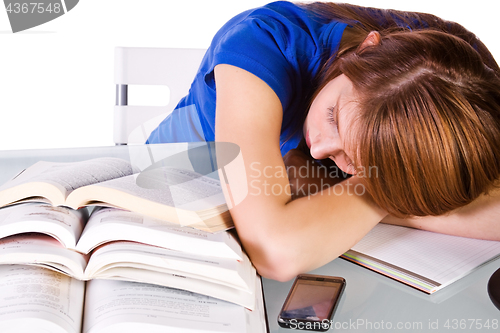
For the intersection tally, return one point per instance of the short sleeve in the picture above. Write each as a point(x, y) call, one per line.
point(279, 43)
point(260, 47)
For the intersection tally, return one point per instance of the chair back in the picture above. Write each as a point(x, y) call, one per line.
point(170, 67)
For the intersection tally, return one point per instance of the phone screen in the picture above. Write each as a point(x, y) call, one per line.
point(312, 298)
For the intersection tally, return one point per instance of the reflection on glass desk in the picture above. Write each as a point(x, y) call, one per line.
point(371, 302)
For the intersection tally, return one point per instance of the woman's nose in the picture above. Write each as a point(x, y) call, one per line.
point(325, 148)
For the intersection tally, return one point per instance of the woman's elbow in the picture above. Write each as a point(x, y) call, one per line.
point(268, 249)
point(275, 273)
point(272, 263)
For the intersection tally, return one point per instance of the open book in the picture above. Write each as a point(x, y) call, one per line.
point(34, 299)
point(422, 259)
point(176, 195)
point(118, 244)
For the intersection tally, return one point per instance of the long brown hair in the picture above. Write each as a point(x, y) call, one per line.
point(428, 108)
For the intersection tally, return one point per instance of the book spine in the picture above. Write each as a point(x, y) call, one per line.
point(419, 282)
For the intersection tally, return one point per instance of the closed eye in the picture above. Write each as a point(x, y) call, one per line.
point(331, 115)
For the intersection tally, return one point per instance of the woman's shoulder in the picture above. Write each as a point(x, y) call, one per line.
point(282, 43)
point(278, 16)
point(290, 30)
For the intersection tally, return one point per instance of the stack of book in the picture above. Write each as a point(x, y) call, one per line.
point(130, 268)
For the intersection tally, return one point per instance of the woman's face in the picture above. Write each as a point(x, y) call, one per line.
point(328, 120)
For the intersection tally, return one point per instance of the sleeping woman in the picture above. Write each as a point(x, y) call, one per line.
point(405, 106)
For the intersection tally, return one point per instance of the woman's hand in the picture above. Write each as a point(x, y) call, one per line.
point(479, 219)
point(308, 176)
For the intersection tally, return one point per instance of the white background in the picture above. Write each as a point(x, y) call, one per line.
point(56, 80)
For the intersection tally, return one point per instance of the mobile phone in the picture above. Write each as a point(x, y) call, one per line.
point(311, 302)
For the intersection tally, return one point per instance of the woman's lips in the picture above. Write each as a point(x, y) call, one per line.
point(308, 141)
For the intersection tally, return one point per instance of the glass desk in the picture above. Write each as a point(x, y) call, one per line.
point(371, 302)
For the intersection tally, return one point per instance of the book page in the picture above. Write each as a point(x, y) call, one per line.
point(126, 307)
point(62, 223)
point(256, 318)
point(111, 224)
point(438, 257)
point(70, 176)
point(173, 187)
point(229, 272)
point(39, 249)
point(201, 286)
point(34, 299)
point(199, 203)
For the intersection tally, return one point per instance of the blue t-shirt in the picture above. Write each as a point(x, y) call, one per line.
point(281, 43)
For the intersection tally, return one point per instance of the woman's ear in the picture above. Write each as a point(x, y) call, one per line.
point(372, 39)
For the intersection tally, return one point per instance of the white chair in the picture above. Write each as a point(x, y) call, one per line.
point(174, 68)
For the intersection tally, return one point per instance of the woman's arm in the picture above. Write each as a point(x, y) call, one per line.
point(479, 219)
point(281, 236)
